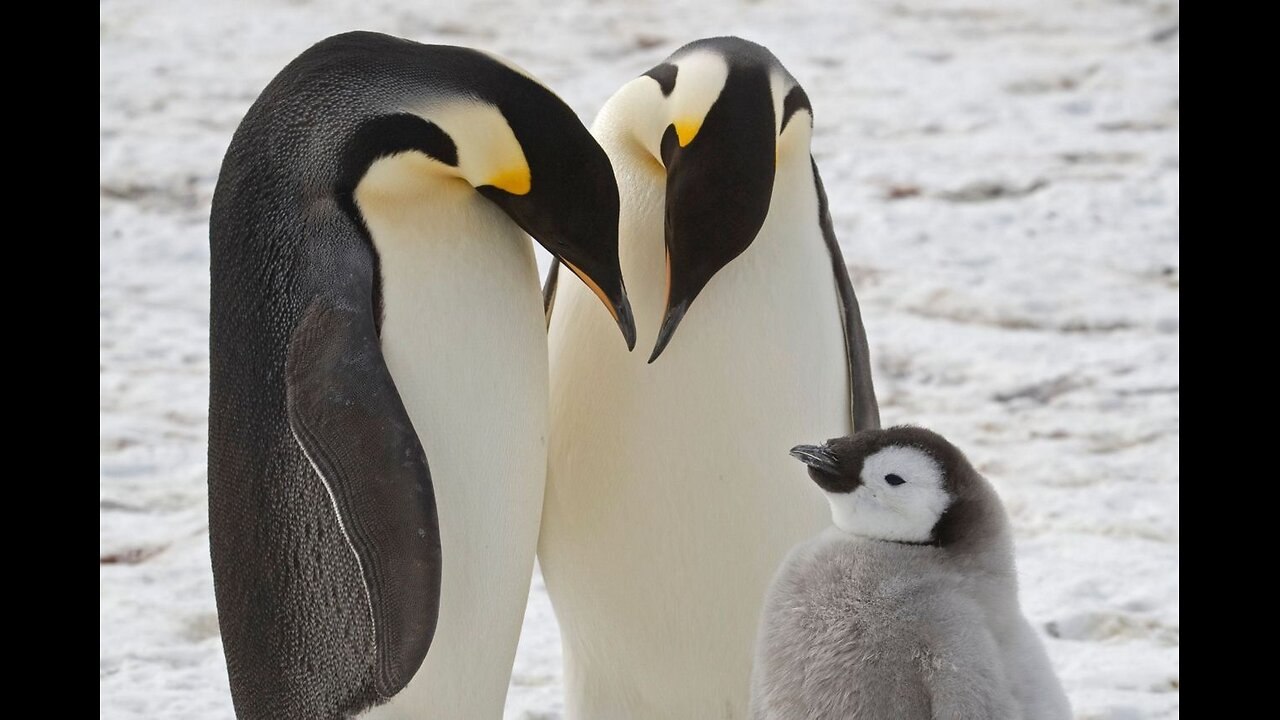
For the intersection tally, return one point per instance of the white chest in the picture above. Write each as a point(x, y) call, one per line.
point(671, 495)
point(463, 336)
point(462, 328)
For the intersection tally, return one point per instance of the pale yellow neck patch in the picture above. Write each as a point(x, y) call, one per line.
point(409, 177)
point(488, 151)
point(778, 93)
point(686, 129)
point(793, 143)
point(641, 111)
point(515, 180)
point(700, 78)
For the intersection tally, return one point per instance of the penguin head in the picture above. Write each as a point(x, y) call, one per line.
point(505, 136)
point(712, 122)
point(903, 484)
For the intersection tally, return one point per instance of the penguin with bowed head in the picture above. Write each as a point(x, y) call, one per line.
point(666, 510)
point(378, 372)
point(908, 607)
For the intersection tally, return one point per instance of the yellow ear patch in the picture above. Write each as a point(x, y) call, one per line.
point(515, 181)
point(686, 130)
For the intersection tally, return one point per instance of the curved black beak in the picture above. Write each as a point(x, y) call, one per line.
point(719, 185)
point(570, 203)
point(824, 468)
point(817, 457)
point(614, 298)
point(578, 223)
point(626, 322)
point(583, 236)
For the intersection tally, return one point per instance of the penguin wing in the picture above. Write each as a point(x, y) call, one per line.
point(863, 408)
point(349, 420)
point(549, 288)
point(961, 664)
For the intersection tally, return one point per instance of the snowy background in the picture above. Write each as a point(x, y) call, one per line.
point(1004, 179)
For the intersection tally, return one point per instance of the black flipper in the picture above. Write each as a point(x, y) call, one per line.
point(863, 407)
point(549, 288)
point(348, 418)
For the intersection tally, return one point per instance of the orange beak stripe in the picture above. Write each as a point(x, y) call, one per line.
point(594, 288)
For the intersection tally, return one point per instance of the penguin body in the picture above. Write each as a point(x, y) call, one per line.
point(480, 410)
point(378, 373)
point(908, 606)
point(663, 521)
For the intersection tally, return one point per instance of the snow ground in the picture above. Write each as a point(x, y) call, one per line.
point(1004, 176)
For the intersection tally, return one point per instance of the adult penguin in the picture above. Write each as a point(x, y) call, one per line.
point(375, 310)
point(668, 501)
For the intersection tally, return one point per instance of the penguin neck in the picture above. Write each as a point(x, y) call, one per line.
point(642, 191)
point(458, 278)
point(982, 550)
point(975, 529)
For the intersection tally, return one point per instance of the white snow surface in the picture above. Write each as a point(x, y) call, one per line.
point(1004, 178)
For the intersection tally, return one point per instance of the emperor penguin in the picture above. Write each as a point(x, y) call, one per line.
point(667, 510)
point(908, 607)
point(378, 369)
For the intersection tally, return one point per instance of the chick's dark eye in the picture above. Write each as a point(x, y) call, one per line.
point(894, 480)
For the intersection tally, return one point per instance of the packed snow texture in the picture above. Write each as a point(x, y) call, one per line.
point(1004, 180)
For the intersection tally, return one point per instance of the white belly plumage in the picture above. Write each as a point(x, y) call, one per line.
point(671, 497)
point(464, 338)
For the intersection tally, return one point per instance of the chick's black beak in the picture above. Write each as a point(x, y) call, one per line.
point(817, 457)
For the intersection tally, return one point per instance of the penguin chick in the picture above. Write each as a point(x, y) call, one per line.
point(908, 607)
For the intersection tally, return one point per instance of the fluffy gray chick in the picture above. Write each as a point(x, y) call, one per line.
point(908, 608)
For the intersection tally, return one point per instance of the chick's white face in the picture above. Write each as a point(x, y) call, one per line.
point(901, 497)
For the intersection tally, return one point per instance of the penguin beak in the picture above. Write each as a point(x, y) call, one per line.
point(614, 298)
point(719, 183)
point(580, 227)
point(817, 457)
point(824, 468)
